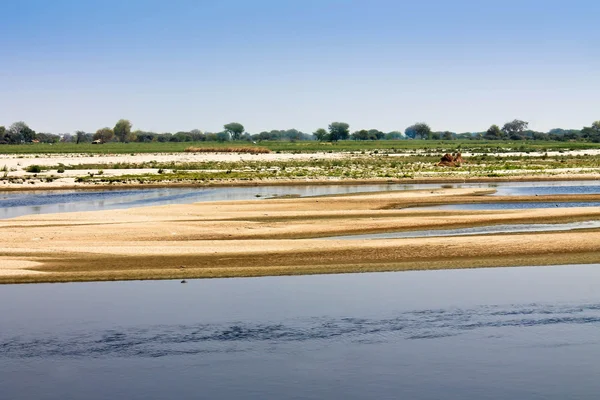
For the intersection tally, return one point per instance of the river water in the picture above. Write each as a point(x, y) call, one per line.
point(518, 333)
point(14, 204)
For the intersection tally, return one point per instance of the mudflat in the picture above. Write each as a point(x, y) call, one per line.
point(284, 237)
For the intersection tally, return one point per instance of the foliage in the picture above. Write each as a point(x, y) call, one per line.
point(123, 132)
point(514, 129)
point(19, 132)
point(104, 135)
point(592, 133)
point(493, 133)
point(249, 150)
point(34, 169)
point(80, 135)
point(420, 129)
point(321, 134)
point(235, 129)
point(386, 146)
point(338, 131)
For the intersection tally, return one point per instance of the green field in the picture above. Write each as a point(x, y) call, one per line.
point(304, 146)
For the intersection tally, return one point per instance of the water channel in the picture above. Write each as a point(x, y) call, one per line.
point(13, 204)
point(523, 333)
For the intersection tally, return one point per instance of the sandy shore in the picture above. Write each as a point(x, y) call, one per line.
point(281, 236)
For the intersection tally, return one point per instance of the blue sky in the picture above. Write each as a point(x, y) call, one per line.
point(178, 65)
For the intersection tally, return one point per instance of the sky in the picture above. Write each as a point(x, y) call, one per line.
point(168, 66)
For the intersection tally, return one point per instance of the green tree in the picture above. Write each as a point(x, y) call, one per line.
point(20, 132)
point(122, 131)
point(235, 129)
point(80, 136)
point(363, 134)
point(2, 134)
point(447, 135)
point(223, 136)
point(514, 129)
point(394, 135)
point(493, 133)
point(104, 134)
point(375, 134)
point(592, 133)
point(338, 131)
point(420, 129)
point(320, 134)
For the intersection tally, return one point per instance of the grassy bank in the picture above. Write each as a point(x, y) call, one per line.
point(303, 147)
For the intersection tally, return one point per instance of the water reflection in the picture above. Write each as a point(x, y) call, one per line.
point(479, 230)
point(511, 206)
point(14, 204)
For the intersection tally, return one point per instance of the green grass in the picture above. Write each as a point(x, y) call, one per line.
point(390, 146)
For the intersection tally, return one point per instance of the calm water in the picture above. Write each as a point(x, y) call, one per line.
point(13, 204)
point(510, 206)
point(478, 230)
point(518, 333)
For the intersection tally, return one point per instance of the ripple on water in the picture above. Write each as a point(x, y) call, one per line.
point(168, 340)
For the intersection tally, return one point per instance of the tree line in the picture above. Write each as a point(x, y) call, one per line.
point(20, 132)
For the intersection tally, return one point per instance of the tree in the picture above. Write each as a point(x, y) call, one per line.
point(361, 135)
point(104, 134)
point(338, 131)
point(224, 136)
point(80, 136)
point(493, 133)
point(375, 134)
point(320, 134)
point(2, 135)
point(20, 132)
point(235, 129)
point(420, 129)
point(514, 129)
point(122, 131)
point(47, 137)
point(394, 135)
point(592, 133)
point(447, 135)
point(197, 135)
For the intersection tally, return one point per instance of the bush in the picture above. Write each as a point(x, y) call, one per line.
point(34, 169)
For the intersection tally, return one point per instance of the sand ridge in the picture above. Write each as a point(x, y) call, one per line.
point(281, 236)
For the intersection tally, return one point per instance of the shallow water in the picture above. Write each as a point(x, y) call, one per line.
point(478, 230)
point(463, 334)
point(13, 204)
point(511, 206)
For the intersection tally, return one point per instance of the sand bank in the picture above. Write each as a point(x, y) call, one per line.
point(278, 236)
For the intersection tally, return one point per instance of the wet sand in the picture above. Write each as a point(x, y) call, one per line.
point(279, 237)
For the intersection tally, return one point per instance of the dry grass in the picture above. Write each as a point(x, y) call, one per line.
point(245, 150)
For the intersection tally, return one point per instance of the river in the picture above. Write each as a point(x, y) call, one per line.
point(524, 333)
point(14, 204)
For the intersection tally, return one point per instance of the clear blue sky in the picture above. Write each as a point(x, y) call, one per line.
point(176, 65)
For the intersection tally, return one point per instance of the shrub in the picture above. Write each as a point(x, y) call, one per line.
point(248, 150)
point(34, 169)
